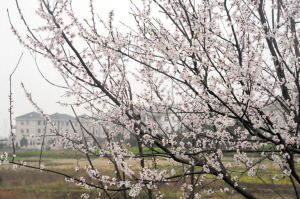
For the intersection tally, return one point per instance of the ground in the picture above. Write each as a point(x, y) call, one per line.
point(27, 183)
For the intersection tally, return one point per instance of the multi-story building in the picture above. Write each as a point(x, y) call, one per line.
point(32, 126)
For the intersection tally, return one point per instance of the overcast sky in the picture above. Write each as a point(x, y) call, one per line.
point(44, 94)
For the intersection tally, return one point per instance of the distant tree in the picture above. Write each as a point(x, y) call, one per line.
point(208, 64)
point(23, 142)
point(132, 141)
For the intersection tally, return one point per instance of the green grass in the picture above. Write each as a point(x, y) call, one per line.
point(135, 150)
point(30, 153)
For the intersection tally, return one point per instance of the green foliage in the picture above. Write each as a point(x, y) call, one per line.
point(24, 153)
point(132, 141)
point(135, 150)
point(23, 142)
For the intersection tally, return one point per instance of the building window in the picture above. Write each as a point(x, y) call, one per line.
point(27, 122)
point(62, 123)
point(22, 130)
point(39, 122)
point(39, 130)
point(22, 122)
point(67, 130)
point(166, 118)
point(67, 123)
point(27, 130)
point(44, 122)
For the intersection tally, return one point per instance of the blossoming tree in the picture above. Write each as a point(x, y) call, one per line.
point(217, 67)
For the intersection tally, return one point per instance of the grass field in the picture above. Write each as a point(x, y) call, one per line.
point(27, 183)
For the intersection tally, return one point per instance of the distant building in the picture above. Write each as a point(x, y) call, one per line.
point(33, 126)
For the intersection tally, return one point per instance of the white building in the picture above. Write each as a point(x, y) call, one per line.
point(32, 126)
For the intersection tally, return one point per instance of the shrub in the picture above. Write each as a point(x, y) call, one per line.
point(23, 142)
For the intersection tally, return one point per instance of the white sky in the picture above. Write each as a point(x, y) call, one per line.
point(44, 94)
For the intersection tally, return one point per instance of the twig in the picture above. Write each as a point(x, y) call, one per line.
point(10, 107)
point(42, 145)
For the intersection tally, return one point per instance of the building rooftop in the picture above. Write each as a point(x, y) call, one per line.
point(58, 116)
point(32, 115)
point(55, 116)
point(84, 116)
